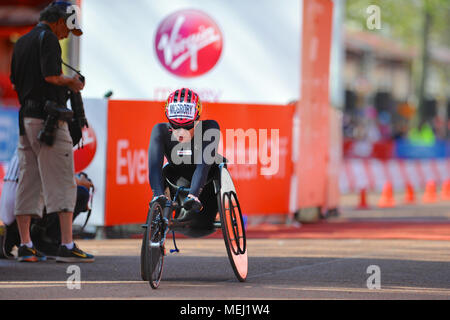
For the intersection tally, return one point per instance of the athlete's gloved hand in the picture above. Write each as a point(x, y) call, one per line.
point(192, 203)
point(162, 199)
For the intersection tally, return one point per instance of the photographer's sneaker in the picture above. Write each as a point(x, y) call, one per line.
point(74, 255)
point(26, 254)
point(50, 250)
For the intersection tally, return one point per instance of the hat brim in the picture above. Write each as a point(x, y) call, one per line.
point(77, 32)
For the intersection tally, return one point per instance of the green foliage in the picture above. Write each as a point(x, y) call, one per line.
point(403, 19)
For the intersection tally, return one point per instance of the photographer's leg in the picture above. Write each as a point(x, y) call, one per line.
point(65, 221)
point(57, 171)
point(27, 252)
point(23, 223)
point(29, 188)
point(60, 191)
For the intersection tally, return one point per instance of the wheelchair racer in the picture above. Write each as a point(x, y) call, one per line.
point(183, 143)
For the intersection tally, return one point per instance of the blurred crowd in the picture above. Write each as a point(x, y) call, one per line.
point(381, 118)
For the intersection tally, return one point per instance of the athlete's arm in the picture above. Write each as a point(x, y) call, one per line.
point(156, 159)
point(204, 164)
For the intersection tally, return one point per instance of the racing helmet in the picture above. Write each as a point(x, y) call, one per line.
point(183, 108)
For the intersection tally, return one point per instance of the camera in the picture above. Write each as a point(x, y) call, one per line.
point(79, 121)
point(76, 102)
point(55, 113)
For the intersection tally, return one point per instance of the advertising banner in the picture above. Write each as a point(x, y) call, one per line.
point(91, 157)
point(9, 132)
point(227, 51)
point(407, 149)
point(255, 139)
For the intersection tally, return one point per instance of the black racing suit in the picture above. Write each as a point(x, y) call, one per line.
point(190, 161)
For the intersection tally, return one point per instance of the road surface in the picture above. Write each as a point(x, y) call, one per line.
point(279, 268)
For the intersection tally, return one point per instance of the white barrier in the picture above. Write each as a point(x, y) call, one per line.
point(372, 174)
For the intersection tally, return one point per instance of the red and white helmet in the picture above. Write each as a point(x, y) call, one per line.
point(182, 108)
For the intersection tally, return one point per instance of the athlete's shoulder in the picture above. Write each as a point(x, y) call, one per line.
point(210, 124)
point(160, 129)
point(163, 126)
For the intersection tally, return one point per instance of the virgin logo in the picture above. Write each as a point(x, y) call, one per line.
point(188, 43)
point(84, 156)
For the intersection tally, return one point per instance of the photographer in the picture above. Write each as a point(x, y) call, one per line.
point(45, 144)
point(45, 232)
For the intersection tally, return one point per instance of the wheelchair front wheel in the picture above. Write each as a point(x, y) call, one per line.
point(152, 251)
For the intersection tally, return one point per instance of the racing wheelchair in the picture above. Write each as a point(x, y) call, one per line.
point(218, 196)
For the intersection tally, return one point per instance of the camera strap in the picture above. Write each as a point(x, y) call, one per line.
point(41, 40)
point(73, 69)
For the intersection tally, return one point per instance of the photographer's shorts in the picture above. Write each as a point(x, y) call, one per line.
point(46, 170)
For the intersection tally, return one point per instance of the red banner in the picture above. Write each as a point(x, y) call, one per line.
point(256, 139)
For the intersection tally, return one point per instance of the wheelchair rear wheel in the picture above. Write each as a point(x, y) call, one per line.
point(233, 229)
point(152, 250)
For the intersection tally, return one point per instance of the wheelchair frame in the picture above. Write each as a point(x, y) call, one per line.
point(160, 221)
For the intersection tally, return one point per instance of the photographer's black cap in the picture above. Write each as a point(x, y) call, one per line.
point(63, 5)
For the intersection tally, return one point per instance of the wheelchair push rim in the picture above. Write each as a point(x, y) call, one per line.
point(152, 253)
point(233, 231)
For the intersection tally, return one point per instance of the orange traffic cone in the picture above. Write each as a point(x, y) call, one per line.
point(409, 196)
point(445, 193)
point(362, 200)
point(430, 195)
point(387, 196)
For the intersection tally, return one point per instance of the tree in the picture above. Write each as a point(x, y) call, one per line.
point(416, 23)
point(403, 19)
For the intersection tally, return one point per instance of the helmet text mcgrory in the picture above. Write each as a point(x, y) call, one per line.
point(260, 148)
point(182, 109)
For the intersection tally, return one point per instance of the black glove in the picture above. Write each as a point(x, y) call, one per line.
point(192, 203)
point(162, 199)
